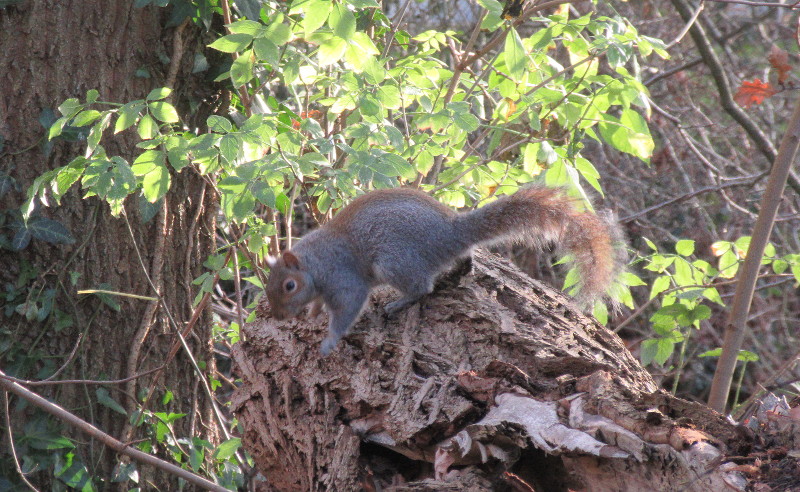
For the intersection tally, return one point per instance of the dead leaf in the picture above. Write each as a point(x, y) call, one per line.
point(779, 60)
point(753, 92)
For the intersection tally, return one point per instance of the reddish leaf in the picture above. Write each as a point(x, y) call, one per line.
point(753, 92)
point(779, 60)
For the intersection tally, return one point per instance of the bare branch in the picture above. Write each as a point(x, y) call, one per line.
point(106, 439)
point(737, 321)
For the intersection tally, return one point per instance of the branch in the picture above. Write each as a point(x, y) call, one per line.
point(737, 321)
point(743, 181)
point(109, 441)
point(792, 6)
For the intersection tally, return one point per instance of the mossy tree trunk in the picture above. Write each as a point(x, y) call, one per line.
point(53, 50)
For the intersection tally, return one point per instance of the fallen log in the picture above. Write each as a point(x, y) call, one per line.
point(494, 382)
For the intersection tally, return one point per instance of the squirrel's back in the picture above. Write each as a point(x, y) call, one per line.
point(400, 225)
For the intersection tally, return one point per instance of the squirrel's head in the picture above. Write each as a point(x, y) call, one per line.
point(289, 287)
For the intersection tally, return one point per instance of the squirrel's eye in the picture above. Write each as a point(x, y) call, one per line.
point(289, 285)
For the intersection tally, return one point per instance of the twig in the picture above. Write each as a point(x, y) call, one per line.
point(761, 4)
point(182, 338)
point(11, 444)
point(737, 322)
point(237, 282)
point(47, 382)
point(734, 182)
point(106, 439)
point(688, 26)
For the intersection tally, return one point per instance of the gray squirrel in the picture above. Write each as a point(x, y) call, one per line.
point(405, 238)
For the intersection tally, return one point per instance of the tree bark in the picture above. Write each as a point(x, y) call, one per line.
point(492, 383)
point(53, 50)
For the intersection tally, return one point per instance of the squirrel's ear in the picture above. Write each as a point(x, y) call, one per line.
point(291, 260)
point(272, 261)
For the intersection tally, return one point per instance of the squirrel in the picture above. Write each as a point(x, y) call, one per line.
point(405, 238)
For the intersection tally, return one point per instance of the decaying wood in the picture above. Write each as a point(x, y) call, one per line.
point(494, 382)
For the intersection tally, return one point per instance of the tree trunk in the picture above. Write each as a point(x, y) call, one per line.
point(53, 50)
point(495, 383)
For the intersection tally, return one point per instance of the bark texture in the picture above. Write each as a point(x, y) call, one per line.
point(494, 382)
point(53, 50)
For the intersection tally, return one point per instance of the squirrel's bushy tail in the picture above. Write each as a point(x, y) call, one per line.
point(537, 215)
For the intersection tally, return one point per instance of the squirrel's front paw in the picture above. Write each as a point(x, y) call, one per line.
point(393, 307)
point(328, 345)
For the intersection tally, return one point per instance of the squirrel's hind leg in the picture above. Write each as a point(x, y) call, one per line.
point(413, 290)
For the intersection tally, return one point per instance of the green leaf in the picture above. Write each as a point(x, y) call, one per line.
point(85, 118)
point(96, 133)
point(316, 14)
point(242, 68)
point(266, 50)
point(660, 284)
point(639, 135)
point(747, 356)
point(70, 107)
point(57, 127)
point(244, 26)
point(105, 399)
point(684, 247)
point(342, 21)
point(278, 33)
point(331, 50)
point(227, 449)
point(127, 116)
point(164, 111)
point(219, 124)
point(492, 6)
point(159, 93)
point(515, 56)
point(711, 353)
point(150, 166)
point(249, 8)
point(657, 350)
point(232, 43)
point(701, 312)
point(37, 435)
point(465, 120)
point(147, 127)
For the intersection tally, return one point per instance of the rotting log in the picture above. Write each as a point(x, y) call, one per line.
point(494, 382)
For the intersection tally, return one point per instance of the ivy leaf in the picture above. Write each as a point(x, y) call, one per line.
point(49, 230)
point(105, 399)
